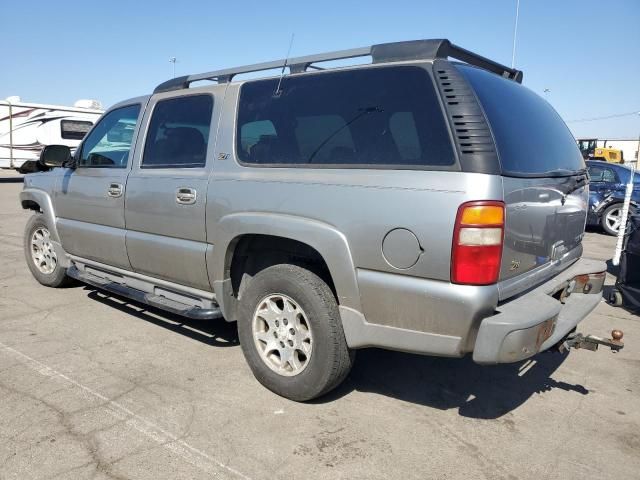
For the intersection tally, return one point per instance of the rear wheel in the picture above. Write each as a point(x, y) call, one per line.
point(612, 218)
point(615, 298)
point(41, 256)
point(291, 334)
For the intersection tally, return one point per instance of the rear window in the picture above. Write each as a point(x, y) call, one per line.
point(530, 136)
point(74, 129)
point(386, 117)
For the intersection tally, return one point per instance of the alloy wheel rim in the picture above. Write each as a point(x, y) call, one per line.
point(614, 218)
point(282, 335)
point(42, 252)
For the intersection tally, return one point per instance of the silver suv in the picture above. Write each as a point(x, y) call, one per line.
point(413, 203)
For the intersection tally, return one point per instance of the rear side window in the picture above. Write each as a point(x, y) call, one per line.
point(178, 133)
point(531, 138)
point(601, 174)
point(386, 117)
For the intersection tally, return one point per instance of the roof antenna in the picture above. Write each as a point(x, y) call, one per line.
point(284, 65)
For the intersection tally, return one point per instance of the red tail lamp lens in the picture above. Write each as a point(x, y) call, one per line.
point(477, 243)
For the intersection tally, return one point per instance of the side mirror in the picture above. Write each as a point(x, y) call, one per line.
point(55, 155)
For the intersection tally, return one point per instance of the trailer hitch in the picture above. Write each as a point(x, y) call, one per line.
point(591, 342)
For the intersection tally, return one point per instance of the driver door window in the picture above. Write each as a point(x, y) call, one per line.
point(109, 143)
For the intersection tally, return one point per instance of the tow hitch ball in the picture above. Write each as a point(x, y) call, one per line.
point(591, 342)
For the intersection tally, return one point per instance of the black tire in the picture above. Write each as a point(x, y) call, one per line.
point(330, 360)
point(58, 276)
point(607, 211)
point(615, 298)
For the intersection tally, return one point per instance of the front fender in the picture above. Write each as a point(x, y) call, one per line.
point(324, 238)
point(29, 196)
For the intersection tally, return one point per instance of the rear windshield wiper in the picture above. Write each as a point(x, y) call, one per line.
point(558, 172)
point(563, 172)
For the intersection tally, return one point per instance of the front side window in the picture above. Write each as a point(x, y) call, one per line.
point(178, 133)
point(109, 143)
point(388, 117)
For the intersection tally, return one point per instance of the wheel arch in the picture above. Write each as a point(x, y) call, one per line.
point(39, 201)
point(613, 200)
point(329, 243)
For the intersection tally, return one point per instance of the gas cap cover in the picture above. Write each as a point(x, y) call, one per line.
point(401, 248)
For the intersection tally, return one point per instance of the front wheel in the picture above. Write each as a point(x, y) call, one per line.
point(291, 334)
point(612, 218)
point(41, 256)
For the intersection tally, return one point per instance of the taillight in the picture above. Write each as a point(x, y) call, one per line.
point(477, 243)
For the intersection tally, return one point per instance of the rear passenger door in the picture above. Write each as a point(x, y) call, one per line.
point(166, 190)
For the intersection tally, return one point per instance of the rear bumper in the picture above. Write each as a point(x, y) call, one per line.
point(537, 320)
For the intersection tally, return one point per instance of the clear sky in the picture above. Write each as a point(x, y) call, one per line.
point(585, 52)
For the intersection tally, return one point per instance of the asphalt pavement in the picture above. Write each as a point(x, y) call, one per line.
point(94, 387)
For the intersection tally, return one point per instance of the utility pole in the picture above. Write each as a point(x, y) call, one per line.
point(515, 35)
point(173, 60)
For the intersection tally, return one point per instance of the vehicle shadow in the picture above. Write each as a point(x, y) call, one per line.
point(484, 392)
point(11, 180)
point(217, 333)
point(594, 229)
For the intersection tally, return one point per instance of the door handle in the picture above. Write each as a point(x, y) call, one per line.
point(114, 190)
point(186, 196)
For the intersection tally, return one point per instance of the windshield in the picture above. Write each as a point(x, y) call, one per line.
point(531, 138)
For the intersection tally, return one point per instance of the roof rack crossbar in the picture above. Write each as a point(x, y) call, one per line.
point(385, 52)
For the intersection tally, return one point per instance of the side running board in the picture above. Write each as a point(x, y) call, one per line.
point(157, 301)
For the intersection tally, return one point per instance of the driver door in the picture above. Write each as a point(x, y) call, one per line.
point(89, 199)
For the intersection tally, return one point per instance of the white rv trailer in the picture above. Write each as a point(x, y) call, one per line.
point(25, 128)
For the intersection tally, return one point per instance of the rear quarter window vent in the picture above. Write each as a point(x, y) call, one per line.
point(471, 133)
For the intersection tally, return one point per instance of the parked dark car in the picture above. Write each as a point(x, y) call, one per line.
point(606, 194)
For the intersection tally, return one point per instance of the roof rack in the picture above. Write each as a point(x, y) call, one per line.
point(381, 53)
